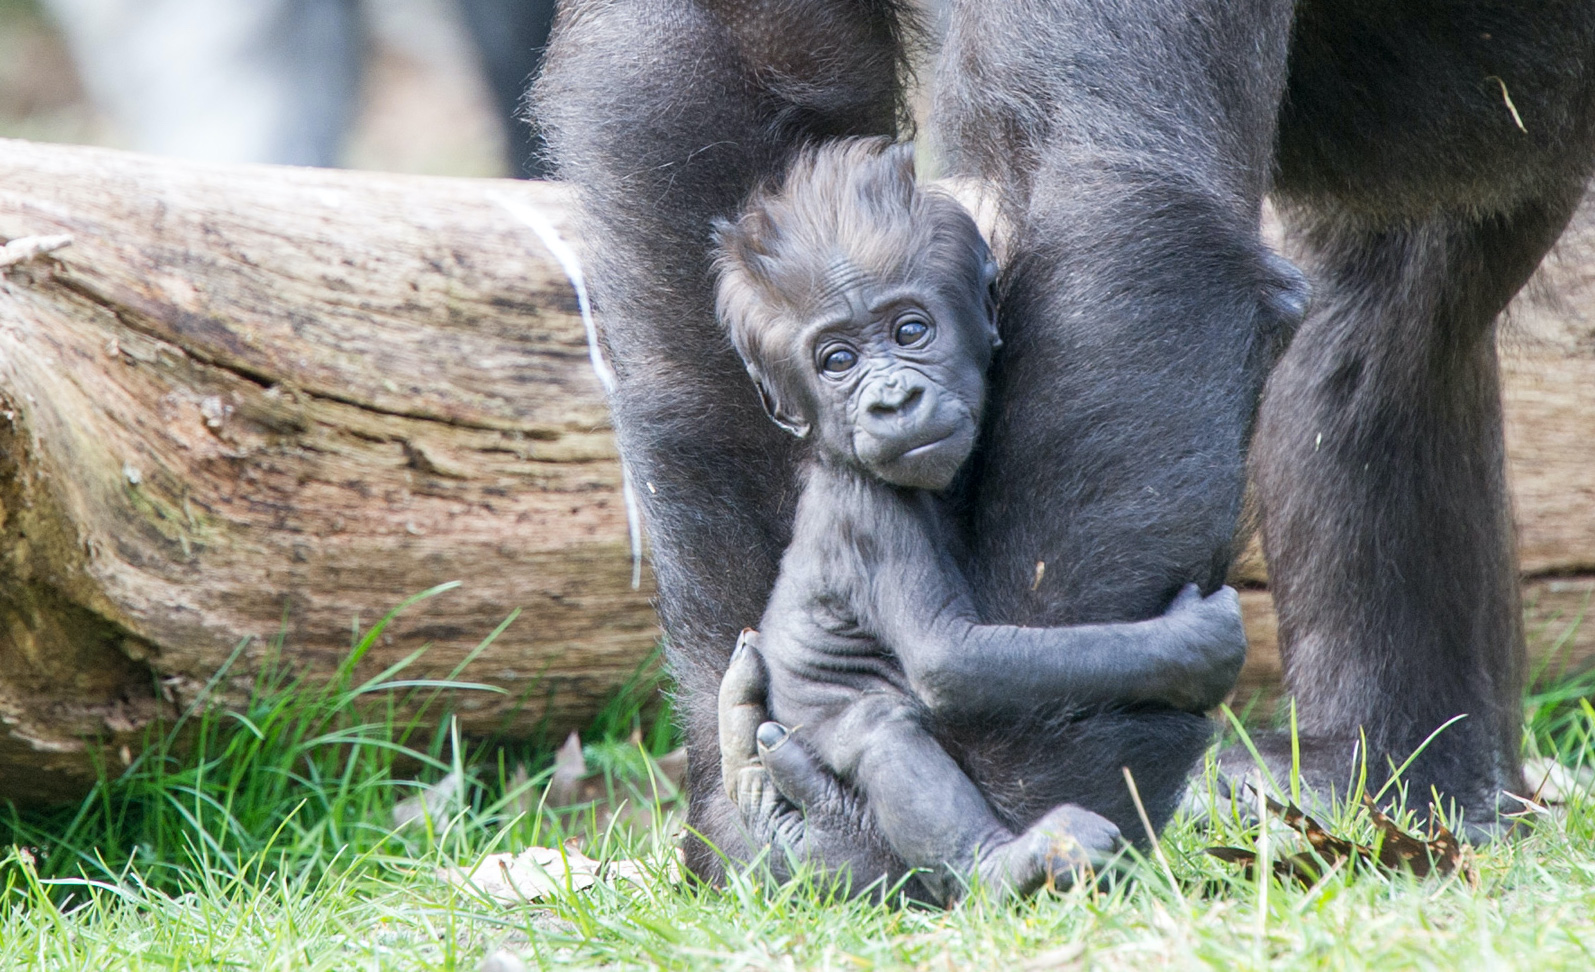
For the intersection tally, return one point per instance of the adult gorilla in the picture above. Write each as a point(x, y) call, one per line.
point(1424, 153)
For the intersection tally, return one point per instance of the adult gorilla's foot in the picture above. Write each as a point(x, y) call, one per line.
point(1333, 770)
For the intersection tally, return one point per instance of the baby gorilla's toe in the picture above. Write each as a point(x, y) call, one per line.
point(1062, 847)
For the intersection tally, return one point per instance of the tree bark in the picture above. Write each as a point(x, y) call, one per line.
point(249, 402)
point(253, 401)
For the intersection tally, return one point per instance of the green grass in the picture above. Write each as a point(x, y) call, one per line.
point(263, 840)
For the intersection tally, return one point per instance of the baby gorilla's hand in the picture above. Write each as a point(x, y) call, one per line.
point(1204, 651)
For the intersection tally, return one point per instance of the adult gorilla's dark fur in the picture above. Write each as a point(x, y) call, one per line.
point(1133, 142)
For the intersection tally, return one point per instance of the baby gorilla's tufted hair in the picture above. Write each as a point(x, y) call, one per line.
point(852, 203)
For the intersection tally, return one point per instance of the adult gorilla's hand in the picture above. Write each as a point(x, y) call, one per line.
point(789, 802)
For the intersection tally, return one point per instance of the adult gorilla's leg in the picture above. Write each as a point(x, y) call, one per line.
point(1381, 468)
point(1427, 161)
point(664, 114)
point(1141, 312)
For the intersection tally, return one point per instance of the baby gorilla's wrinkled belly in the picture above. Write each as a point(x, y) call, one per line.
point(827, 685)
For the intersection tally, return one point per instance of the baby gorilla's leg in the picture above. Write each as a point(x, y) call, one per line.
point(935, 818)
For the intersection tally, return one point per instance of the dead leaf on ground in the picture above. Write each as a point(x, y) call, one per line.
point(432, 802)
point(541, 873)
point(1302, 867)
point(571, 785)
point(1397, 850)
point(1549, 781)
point(628, 803)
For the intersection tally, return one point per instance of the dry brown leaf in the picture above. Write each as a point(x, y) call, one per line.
point(431, 803)
point(628, 803)
point(1303, 867)
point(570, 785)
point(1397, 849)
point(1331, 848)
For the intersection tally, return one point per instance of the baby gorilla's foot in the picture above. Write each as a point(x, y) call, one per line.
point(1061, 847)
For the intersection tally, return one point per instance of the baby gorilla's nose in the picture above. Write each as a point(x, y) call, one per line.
point(895, 398)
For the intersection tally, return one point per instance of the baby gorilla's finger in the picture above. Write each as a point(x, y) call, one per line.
point(742, 691)
point(795, 772)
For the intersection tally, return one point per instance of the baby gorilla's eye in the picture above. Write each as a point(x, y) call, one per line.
point(911, 331)
point(839, 361)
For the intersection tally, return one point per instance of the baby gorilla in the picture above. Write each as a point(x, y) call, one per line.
point(863, 308)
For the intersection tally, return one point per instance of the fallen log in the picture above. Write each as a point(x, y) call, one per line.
point(261, 402)
point(252, 402)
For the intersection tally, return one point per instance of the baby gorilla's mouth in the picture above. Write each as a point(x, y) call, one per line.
point(924, 448)
point(930, 462)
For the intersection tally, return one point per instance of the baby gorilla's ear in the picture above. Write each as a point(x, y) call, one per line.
point(782, 415)
point(988, 282)
point(740, 260)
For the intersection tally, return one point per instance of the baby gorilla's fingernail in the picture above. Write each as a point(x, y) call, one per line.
point(771, 735)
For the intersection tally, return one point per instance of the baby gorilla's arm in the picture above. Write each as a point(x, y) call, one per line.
point(1189, 657)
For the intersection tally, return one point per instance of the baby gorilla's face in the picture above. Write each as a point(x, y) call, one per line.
point(864, 310)
point(896, 376)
